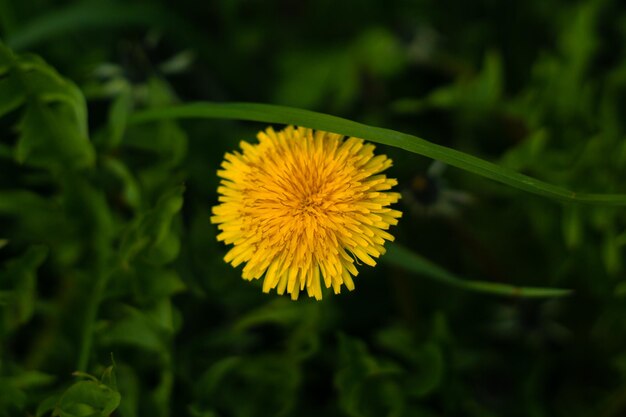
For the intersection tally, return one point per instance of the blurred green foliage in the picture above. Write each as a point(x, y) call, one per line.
point(114, 299)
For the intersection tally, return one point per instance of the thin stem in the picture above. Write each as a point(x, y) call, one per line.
point(404, 258)
point(95, 299)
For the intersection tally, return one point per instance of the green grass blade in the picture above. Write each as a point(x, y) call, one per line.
point(286, 115)
point(89, 15)
point(402, 257)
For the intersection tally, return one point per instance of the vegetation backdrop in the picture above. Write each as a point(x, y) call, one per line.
point(499, 298)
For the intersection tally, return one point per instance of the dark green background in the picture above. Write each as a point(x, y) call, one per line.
point(109, 263)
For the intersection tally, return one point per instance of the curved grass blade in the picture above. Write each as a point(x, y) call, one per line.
point(90, 15)
point(286, 115)
point(402, 257)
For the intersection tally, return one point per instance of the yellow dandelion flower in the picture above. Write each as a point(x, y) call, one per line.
point(302, 206)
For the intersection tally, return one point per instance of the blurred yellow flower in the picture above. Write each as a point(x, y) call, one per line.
point(303, 206)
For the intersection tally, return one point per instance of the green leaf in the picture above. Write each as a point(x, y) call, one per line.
point(6, 297)
point(286, 115)
point(21, 274)
point(37, 219)
point(130, 387)
point(402, 257)
point(130, 189)
point(367, 387)
point(426, 361)
point(156, 283)
point(612, 253)
point(527, 153)
point(474, 95)
point(118, 115)
point(50, 138)
point(135, 329)
point(47, 406)
point(30, 379)
point(269, 384)
point(11, 96)
point(54, 125)
point(166, 141)
point(380, 52)
point(572, 226)
point(306, 78)
point(108, 377)
point(6, 58)
point(87, 399)
point(280, 312)
point(19, 202)
point(429, 374)
point(210, 380)
point(151, 234)
point(45, 83)
point(12, 400)
point(301, 320)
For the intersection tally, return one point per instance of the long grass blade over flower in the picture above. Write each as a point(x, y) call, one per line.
point(301, 207)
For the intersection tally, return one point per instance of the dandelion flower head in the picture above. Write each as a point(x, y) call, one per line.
point(301, 207)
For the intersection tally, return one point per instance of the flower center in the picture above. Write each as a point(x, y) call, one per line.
point(310, 204)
